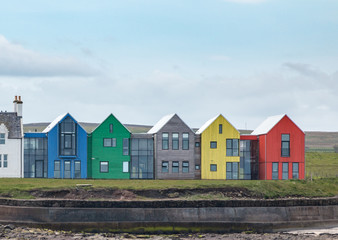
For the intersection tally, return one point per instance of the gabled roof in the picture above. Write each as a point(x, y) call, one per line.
point(160, 124)
point(58, 120)
point(267, 124)
point(209, 122)
point(13, 124)
point(106, 119)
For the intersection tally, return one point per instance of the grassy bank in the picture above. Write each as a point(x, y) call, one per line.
point(19, 188)
point(321, 164)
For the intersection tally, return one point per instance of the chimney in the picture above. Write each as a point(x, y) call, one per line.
point(19, 107)
point(15, 104)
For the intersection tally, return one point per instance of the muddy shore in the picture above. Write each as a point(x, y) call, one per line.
point(13, 232)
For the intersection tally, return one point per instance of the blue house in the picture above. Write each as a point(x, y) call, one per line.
point(67, 148)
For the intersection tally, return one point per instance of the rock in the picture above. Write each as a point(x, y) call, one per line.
point(9, 226)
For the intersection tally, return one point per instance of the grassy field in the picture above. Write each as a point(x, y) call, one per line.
point(321, 164)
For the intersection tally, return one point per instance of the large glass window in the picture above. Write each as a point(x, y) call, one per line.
point(109, 142)
point(125, 146)
point(57, 169)
point(175, 167)
point(185, 141)
point(285, 145)
point(165, 166)
point(2, 138)
point(77, 169)
point(213, 144)
point(185, 166)
point(285, 175)
point(220, 128)
point(104, 167)
point(68, 137)
point(165, 141)
point(232, 147)
point(232, 170)
point(213, 167)
point(275, 171)
point(5, 161)
point(175, 141)
point(295, 170)
point(35, 157)
point(67, 169)
point(142, 158)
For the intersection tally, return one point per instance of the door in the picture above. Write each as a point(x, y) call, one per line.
point(39, 169)
point(67, 169)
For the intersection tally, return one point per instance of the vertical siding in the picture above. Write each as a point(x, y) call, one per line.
point(218, 155)
point(114, 155)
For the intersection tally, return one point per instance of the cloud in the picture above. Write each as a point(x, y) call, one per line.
point(15, 60)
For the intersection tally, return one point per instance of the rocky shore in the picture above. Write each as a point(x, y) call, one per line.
point(13, 232)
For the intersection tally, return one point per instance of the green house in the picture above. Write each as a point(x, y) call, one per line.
point(108, 150)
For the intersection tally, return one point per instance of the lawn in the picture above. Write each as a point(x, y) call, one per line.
point(321, 164)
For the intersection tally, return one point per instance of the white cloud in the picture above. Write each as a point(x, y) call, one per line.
point(15, 60)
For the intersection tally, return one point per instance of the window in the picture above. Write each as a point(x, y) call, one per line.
point(285, 175)
point(67, 136)
point(109, 142)
point(165, 167)
point(104, 167)
point(111, 128)
point(2, 138)
point(175, 167)
point(213, 167)
point(197, 167)
point(185, 167)
point(77, 169)
point(67, 168)
point(175, 141)
point(165, 141)
point(232, 147)
point(220, 129)
point(295, 170)
point(213, 144)
point(57, 169)
point(197, 144)
point(232, 170)
point(125, 167)
point(5, 161)
point(285, 145)
point(185, 141)
point(275, 171)
point(125, 146)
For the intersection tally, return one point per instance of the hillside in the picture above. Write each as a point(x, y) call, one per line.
point(314, 141)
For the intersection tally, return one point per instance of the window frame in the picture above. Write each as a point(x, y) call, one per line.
point(185, 169)
point(175, 141)
point(213, 143)
point(176, 167)
point(285, 172)
point(293, 172)
point(111, 128)
point(165, 140)
point(101, 165)
point(2, 138)
point(211, 167)
point(77, 171)
point(125, 147)
point(59, 162)
point(230, 149)
point(288, 145)
point(5, 161)
point(165, 167)
point(220, 128)
point(185, 141)
point(273, 176)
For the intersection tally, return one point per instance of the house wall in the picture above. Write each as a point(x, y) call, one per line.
point(53, 151)
point(174, 125)
point(114, 155)
point(217, 155)
point(273, 149)
point(198, 156)
point(13, 148)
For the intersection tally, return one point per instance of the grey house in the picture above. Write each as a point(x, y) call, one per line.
point(174, 149)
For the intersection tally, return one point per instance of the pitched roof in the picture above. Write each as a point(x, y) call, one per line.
point(13, 124)
point(207, 124)
point(267, 125)
point(54, 123)
point(106, 119)
point(157, 127)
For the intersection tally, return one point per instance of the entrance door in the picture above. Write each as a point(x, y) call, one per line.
point(67, 168)
point(39, 169)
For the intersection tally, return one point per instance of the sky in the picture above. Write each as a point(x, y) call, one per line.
point(143, 59)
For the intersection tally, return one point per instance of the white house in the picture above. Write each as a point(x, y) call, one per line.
point(11, 142)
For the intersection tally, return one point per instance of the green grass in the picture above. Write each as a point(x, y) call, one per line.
point(18, 188)
point(321, 164)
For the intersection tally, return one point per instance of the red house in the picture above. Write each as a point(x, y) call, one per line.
point(281, 149)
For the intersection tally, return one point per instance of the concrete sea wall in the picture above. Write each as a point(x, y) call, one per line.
point(172, 216)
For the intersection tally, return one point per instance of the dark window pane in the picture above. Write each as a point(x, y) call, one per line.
point(213, 167)
point(175, 167)
point(213, 144)
point(165, 167)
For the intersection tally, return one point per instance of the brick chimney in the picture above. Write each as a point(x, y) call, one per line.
point(15, 104)
point(19, 107)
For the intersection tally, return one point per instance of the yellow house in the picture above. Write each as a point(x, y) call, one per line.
point(219, 149)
